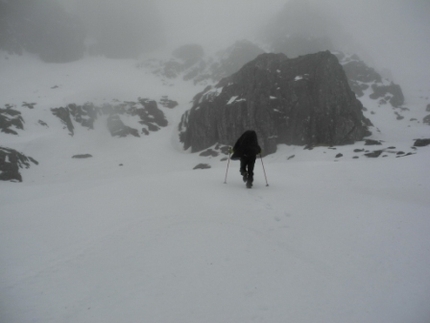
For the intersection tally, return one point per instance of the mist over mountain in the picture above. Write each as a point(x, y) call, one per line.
point(121, 29)
point(305, 27)
point(60, 34)
point(41, 27)
point(386, 34)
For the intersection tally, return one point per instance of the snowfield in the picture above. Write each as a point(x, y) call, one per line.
point(134, 234)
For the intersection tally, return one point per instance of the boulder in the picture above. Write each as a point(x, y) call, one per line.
point(422, 142)
point(82, 156)
point(371, 142)
point(301, 101)
point(202, 166)
point(374, 154)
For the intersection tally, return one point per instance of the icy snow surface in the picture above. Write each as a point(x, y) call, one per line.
point(330, 240)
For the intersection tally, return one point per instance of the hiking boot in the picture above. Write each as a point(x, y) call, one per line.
point(249, 184)
point(244, 175)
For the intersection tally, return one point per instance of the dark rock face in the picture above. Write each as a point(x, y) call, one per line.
point(10, 163)
point(9, 119)
point(301, 101)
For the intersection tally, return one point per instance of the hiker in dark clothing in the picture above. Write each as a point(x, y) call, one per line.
point(246, 149)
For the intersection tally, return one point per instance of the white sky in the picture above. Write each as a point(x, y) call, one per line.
point(215, 22)
point(394, 33)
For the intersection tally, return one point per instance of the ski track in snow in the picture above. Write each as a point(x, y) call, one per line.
point(329, 240)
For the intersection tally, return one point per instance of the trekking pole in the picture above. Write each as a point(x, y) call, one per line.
point(264, 171)
point(226, 171)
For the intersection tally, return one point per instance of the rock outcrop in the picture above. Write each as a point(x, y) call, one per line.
point(10, 120)
point(10, 163)
point(362, 77)
point(190, 63)
point(64, 115)
point(146, 111)
point(301, 101)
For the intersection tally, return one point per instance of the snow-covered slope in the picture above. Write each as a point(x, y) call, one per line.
point(134, 234)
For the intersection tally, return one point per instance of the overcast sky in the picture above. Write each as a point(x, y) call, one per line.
point(216, 21)
point(394, 33)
